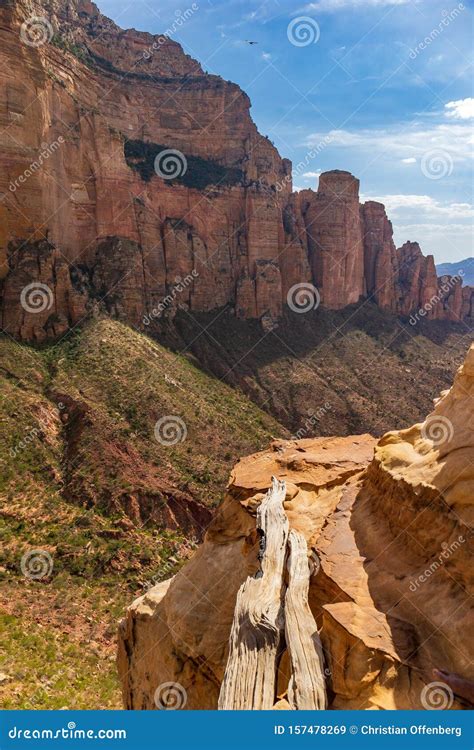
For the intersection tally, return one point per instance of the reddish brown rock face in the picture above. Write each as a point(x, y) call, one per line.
point(417, 279)
point(452, 297)
point(83, 117)
point(380, 256)
point(39, 299)
point(467, 303)
point(335, 244)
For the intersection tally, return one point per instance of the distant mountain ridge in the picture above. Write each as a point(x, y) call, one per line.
point(463, 268)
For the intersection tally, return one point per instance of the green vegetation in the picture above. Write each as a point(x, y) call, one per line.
point(80, 52)
point(200, 173)
point(348, 362)
point(84, 479)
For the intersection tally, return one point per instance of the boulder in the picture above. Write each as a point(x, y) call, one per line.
point(387, 528)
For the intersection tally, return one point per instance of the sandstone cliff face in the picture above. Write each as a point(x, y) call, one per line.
point(83, 117)
point(381, 267)
point(417, 278)
point(390, 544)
point(335, 243)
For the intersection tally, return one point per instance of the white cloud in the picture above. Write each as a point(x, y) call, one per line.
point(461, 109)
point(266, 56)
point(311, 175)
point(442, 228)
point(400, 205)
point(334, 5)
point(404, 142)
point(434, 230)
point(447, 242)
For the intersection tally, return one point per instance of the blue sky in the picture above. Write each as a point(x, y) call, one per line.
point(382, 88)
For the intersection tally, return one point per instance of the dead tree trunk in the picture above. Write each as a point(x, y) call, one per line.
point(307, 686)
point(250, 676)
point(264, 614)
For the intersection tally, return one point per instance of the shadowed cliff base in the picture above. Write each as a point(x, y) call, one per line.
point(327, 372)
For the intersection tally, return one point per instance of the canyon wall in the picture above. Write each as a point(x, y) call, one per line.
point(389, 540)
point(96, 213)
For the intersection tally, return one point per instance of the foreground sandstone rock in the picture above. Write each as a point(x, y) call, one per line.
point(391, 543)
point(86, 217)
point(272, 606)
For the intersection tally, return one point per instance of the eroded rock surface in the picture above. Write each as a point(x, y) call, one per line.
point(83, 117)
point(388, 526)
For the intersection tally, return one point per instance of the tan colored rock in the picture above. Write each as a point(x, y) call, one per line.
point(195, 621)
point(437, 454)
point(391, 582)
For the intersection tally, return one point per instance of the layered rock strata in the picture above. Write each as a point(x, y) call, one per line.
point(390, 542)
point(89, 114)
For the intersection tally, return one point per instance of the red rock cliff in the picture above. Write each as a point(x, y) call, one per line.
point(88, 219)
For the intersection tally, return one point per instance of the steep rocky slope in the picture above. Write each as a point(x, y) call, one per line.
point(120, 423)
point(92, 210)
point(390, 540)
point(329, 372)
point(85, 480)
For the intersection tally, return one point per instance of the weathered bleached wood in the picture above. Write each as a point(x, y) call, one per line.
point(307, 686)
point(250, 675)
